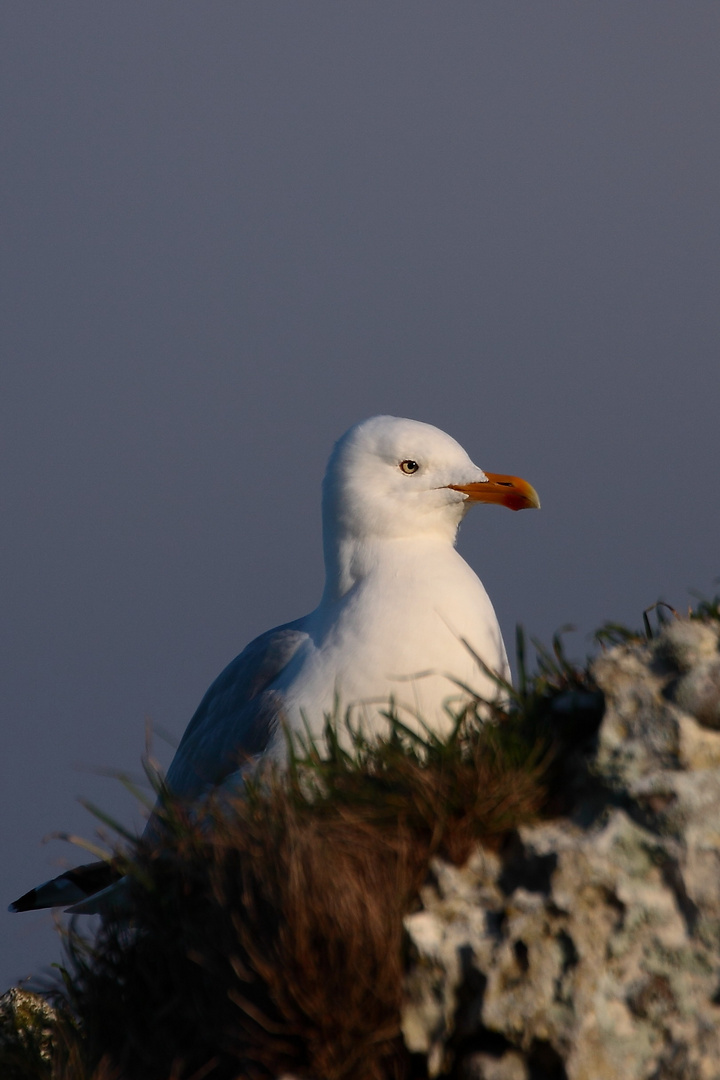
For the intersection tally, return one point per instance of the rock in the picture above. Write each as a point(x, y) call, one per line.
point(589, 947)
point(507, 1066)
point(27, 1023)
point(685, 644)
point(698, 693)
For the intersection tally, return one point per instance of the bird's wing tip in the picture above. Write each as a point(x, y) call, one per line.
point(26, 902)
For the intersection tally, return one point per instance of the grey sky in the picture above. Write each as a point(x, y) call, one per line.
point(232, 230)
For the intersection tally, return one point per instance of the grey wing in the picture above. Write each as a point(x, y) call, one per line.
point(238, 715)
point(237, 718)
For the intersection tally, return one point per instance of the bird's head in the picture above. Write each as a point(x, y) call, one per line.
point(390, 478)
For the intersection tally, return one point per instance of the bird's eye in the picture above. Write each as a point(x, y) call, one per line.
point(409, 467)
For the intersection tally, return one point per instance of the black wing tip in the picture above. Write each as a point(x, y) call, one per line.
point(26, 902)
point(74, 886)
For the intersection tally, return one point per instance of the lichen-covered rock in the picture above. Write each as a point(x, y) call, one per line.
point(589, 947)
point(27, 1021)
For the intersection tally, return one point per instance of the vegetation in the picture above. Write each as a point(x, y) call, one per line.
point(267, 935)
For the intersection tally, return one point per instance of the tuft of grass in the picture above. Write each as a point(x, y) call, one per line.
point(267, 935)
point(706, 608)
point(612, 633)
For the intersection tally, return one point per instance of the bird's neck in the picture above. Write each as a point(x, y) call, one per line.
point(350, 560)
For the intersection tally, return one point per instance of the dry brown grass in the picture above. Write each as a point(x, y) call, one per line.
point(268, 938)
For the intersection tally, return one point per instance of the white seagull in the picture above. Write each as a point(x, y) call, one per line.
point(401, 623)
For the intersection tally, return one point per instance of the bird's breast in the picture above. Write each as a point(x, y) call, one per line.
point(406, 633)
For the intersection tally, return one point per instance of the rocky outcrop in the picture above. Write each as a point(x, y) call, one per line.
point(588, 948)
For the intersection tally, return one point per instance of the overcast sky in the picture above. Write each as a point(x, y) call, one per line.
point(231, 230)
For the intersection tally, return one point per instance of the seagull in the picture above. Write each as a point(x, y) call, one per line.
point(404, 626)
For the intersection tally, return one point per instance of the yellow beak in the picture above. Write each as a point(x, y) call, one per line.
point(508, 491)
